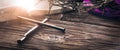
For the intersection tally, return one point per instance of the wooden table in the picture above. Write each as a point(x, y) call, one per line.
point(78, 36)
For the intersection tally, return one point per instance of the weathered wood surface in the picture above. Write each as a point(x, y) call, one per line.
point(90, 19)
point(83, 32)
point(78, 36)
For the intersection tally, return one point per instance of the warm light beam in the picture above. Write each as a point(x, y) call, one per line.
point(29, 5)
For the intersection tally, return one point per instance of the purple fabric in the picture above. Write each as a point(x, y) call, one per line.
point(117, 1)
point(110, 10)
point(86, 1)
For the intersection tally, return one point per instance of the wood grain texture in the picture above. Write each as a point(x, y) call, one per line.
point(78, 36)
point(84, 32)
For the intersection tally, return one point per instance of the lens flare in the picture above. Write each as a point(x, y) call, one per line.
point(29, 5)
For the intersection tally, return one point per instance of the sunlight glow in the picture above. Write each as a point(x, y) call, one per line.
point(29, 5)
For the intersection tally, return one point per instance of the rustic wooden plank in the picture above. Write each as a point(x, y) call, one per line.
point(13, 34)
point(75, 17)
point(90, 19)
point(107, 34)
point(74, 38)
point(9, 36)
point(100, 32)
point(101, 21)
point(48, 33)
point(77, 36)
point(20, 25)
point(88, 27)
